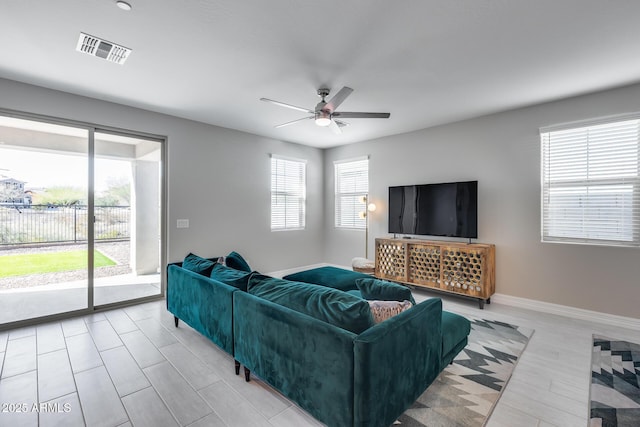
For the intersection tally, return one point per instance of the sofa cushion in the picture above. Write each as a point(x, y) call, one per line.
point(235, 260)
point(383, 310)
point(197, 264)
point(329, 305)
point(355, 294)
point(332, 277)
point(230, 276)
point(375, 289)
point(455, 330)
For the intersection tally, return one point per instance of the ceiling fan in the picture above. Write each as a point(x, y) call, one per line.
point(325, 113)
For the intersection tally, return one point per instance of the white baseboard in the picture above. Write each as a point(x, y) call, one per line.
point(564, 310)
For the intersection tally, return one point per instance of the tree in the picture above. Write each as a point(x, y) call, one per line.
point(10, 193)
point(61, 196)
point(118, 193)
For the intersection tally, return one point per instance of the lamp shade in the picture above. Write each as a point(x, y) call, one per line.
point(323, 118)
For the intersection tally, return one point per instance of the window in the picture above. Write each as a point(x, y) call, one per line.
point(352, 183)
point(590, 183)
point(288, 193)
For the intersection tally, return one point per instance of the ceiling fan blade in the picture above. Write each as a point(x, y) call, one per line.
point(341, 123)
point(354, 115)
point(334, 127)
point(282, 104)
point(294, 121)
point(338, 98)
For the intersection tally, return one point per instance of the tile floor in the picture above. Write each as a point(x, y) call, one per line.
point(131, 366)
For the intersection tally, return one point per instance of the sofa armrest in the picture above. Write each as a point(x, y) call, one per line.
point(203, 303)
point(395, 361)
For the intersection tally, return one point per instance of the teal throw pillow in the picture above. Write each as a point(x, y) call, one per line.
point(197, 264)
point(381, 290)
point(326, 304)
point(235, 260)
point(232, 277)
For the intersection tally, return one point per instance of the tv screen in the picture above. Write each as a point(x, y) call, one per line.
point(449, 209)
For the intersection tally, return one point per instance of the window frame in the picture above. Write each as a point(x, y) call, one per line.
point(591, 190)
point(287, 193)
point(358, 222)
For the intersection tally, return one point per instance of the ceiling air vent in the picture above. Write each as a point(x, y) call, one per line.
point(94, 46)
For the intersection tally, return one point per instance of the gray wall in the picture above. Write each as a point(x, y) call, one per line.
point(218, 178)
point(502, 152)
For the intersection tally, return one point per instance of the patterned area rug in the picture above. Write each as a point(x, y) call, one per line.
point(615, 383)
point(466, 391)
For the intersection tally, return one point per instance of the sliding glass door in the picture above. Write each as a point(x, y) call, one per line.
point(80, 218)
point(44, 220)
point(127, 211)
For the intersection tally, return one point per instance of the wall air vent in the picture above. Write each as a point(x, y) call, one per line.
point(95, 46)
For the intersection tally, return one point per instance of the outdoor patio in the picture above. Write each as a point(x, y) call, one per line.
point(36, 295)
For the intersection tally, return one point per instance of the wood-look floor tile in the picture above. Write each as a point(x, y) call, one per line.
point(231, 407)
point(136, 313)
point(120, 322)
point(196, 372)
point(100, 402)
point(49, 337)
point(27, 331)
point(64, 411)
point(156, 333)
point(20, 356)
point(268, 401)
point(211, 420)
point(185, 404)
point(124, 371)
point(22, 390)
point(75, 326)
point(142, 350)
point(95, 317)
point(82, 352)
point(294, 417)
point(507, 416)
point(103, 335)
point(146, 409)
point(4, 336)
point(55, 378)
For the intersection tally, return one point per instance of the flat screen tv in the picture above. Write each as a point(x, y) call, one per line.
point(448, 209)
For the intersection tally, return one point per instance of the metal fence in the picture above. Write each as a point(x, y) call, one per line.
point(54, 224)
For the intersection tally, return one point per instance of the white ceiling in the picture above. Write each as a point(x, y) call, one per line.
point(427, 62)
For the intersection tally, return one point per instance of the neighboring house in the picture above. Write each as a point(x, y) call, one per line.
point(12, 193)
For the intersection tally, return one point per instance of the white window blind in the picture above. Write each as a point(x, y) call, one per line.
point(288, 193)
point(352, 182)
point(590, 184)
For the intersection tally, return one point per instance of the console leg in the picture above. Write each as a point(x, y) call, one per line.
point(489, 300)
point(481, 304)
point(175, 320)
point(237, 367)
point(247, 374)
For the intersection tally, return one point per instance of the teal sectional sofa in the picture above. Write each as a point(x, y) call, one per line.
point(355, 375)
point(203, 303)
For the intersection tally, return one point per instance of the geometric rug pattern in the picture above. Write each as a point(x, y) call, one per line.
point(615, 383)
point(465, 393)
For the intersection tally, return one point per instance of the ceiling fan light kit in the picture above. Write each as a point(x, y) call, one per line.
point(325, 113)
point(323, 118)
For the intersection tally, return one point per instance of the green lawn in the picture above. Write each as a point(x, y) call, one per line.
point(49, 262)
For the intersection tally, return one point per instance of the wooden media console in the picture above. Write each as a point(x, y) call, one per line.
point(459, 268)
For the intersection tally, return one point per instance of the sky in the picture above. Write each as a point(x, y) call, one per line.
point(43, 170)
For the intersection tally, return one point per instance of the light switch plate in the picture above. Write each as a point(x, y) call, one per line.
point(182, 223)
